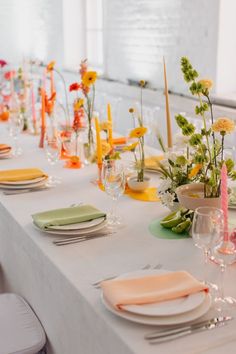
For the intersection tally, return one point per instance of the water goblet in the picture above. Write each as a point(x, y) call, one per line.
point(206, 228)
point(223, 253)
point(53, 150)
point(113, 178)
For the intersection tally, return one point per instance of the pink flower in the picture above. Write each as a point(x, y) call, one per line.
point(2, 63)
point(10, 75)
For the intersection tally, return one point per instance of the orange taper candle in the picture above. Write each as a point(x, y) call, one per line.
point(99, 143)
point(109, 118)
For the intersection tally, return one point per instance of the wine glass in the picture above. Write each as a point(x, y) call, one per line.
point(206, 228)
point(53, 150)
point(223, 253)
point(113, 178)
point(16, 125)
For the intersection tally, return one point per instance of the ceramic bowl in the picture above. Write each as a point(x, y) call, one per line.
point(191, 196)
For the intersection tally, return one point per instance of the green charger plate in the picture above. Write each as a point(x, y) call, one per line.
point(157, 230)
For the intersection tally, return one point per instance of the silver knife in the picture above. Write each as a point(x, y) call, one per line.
point(171, 334)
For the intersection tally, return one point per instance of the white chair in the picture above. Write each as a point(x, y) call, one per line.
point(20, 330)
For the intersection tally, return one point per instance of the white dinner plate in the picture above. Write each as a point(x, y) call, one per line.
point(73, 232)
point(28, 181)
point(162, 320)
point(164, 308)
point(80, 225)
point(23, 186)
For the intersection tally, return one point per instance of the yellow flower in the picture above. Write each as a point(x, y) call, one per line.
point(106, 148)
point(50, 66)
point(89, 78)
point(142, 83)
point(138, 132)
point(131, 147)
point(105, 126)
point(223, 125)
point(194, 171)
point(78, 104)
point(206, 83)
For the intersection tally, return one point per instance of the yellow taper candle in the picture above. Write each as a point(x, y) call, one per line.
point(168, 117)
point(109, 118)
point(99, 143)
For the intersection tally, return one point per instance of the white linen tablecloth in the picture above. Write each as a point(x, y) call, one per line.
point(56, 281)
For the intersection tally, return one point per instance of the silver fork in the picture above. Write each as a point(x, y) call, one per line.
point(81, 238)
point(147, 266)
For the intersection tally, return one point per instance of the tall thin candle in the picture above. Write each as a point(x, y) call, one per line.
point(168, 117)
point(52, 82)
point(99, 143)
point(109, 118)
point(224, 201)
point(43, 123)
point(33, 106)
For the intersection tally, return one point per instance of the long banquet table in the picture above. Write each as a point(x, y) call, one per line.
point(56, 281)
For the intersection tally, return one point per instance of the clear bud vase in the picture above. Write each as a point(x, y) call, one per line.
point(74, 151)
point(88, 138)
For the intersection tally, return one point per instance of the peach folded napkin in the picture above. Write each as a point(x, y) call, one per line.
point(4, 147)
point(21, 174)
point(119, 141)
point(150, 289)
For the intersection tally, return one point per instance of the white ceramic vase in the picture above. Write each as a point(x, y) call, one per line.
point(136, 185)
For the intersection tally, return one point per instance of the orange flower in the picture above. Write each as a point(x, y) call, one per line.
point(195, 170)
point(74, 87)
point(49, 103)
point(50, 66)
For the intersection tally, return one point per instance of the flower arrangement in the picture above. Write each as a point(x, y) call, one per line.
point(138, 133)
point(204, 151)
point(50, 68)
point(87, 88)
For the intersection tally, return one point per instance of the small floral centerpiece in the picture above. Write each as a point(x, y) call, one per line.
point(204, 150)
point(87, 88)
point(137, 147)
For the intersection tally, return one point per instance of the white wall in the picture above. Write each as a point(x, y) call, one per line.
point(140, 32)
point(31, 28)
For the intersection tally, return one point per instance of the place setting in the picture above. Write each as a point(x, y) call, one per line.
point(5, 151)
point(74, 224)
point(19, 181)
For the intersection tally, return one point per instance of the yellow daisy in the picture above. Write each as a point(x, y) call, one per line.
point(194, 171)
point(206, 83)
point(89, 78)
point(223, 125)
point(78, 104)
point(131, 147)
point(138, 132)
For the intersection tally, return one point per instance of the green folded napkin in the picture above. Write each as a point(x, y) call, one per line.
point(66, 216)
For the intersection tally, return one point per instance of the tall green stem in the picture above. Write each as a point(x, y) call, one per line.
point(66, 97)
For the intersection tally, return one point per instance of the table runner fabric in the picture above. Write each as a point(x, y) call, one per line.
point(151, 288)
point(66, 216)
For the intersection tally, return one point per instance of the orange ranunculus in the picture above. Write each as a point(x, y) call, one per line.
point(4, 116)
point(74, 87)
point(78, 104)
point(49, 103)
point(50, 66)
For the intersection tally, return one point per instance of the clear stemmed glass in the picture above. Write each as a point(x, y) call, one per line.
point(113, 178)
point(53, 150)
point(206, 228)
point(16, 125)
point(223, 253)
